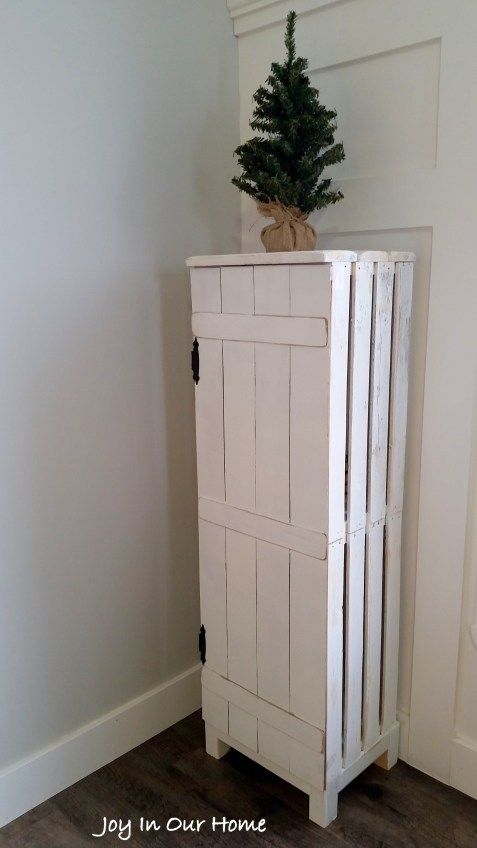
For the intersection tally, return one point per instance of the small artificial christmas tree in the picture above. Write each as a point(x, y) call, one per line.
point(282, 171)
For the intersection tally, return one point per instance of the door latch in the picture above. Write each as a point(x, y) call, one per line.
point(194, 358)
point(202, 644)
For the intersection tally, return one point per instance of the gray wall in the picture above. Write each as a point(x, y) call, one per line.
point(118, 122)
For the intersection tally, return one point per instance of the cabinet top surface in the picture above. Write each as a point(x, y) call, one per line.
point(300, 257)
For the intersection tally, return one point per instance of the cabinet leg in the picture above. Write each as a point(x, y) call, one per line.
point(323, 805)
point(213, 745)
point(390, 757)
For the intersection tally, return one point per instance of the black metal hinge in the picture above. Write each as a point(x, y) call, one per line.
point(202, 646)
point(194, 360)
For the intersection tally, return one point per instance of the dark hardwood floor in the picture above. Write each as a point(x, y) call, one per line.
point(171, 776)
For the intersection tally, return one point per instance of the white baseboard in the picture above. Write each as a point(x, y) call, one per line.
point(464, 767)
point(27, 783)
point(403, 719)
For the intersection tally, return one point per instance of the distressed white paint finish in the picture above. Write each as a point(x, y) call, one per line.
point(243, 727)
point(261, 328)
point(390, 637)
point(239, 423)
point(215, 710)
point(241, 609)
point(399, 386)
point(213, 598)
point(297, 659)
point(272, 289)
point(358, 392)
point(340, 275)
point(379, 390)
point(209, 422)
point(308, 614)
point(354, 612)
point(284, 721)
point(205, 290)
point(237, 290)
point(272, 379)
point(273, 624)
point(372, 633)
point(306, 257)
point(309, 421)
point(305, 541)
point(310, 290)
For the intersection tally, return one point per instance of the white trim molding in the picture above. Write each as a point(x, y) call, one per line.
point(464, 767)
point(29, 782)
point(249, 15)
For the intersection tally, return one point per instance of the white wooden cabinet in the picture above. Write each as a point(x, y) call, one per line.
point(301, 402)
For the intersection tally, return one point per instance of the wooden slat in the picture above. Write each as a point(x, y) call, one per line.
point(309, 421)
point(289, 724)
point(310, 290)
point(237, 290)
point(354, 612)
point(399, 385)
point(215, 710)
point(272, 372)
point(336, 431)
point(209, 418)
point(311, 332)
point(243, 727)
point(205, 289)
point(334, 670)
point(213, 594)
point(274, 745)
point(304, 541)
point(272, 289)
point(306, 763)
point(372, 634)
point(379, 390)
point(392, 579)
point(308, 599)
point(358, 394)
point(239, 423)
point(273, 624)
point(241, 609)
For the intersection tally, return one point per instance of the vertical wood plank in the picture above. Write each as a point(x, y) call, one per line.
point(358, 393)
point(354, 616)
point(379, 390)
point(392, 580)
point(272, 364)
point(272, 289)
point(242, 609)
point(309, 422)
point(273, 624)
point(243, 727)
point(209, 421)
point(372, 633)
point(215, 710)
point(237, 289)
point(401, 337)
point(334, 670)
point(310, 290)
point(239, 423)
point(274, 745)
point(308, 600)
point(339, 332)
point(213, 597)
point(205, 289)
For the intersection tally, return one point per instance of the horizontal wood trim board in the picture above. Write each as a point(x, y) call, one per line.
point(309, 542)
point(301, 257)
point(307, 332)
point(28, 783)
point(288, 724)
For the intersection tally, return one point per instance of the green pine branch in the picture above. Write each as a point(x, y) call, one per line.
point(296, 142)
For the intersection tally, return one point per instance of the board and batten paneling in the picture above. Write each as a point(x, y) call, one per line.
point(405, 183)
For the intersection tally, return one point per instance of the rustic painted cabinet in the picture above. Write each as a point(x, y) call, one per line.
point(300, 362)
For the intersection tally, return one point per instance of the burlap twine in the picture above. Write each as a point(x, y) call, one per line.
point(290, 231)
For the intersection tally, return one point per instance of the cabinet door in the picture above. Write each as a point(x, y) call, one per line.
point(263, 408)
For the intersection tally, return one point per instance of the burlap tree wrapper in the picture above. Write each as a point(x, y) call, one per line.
point(290, 231)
